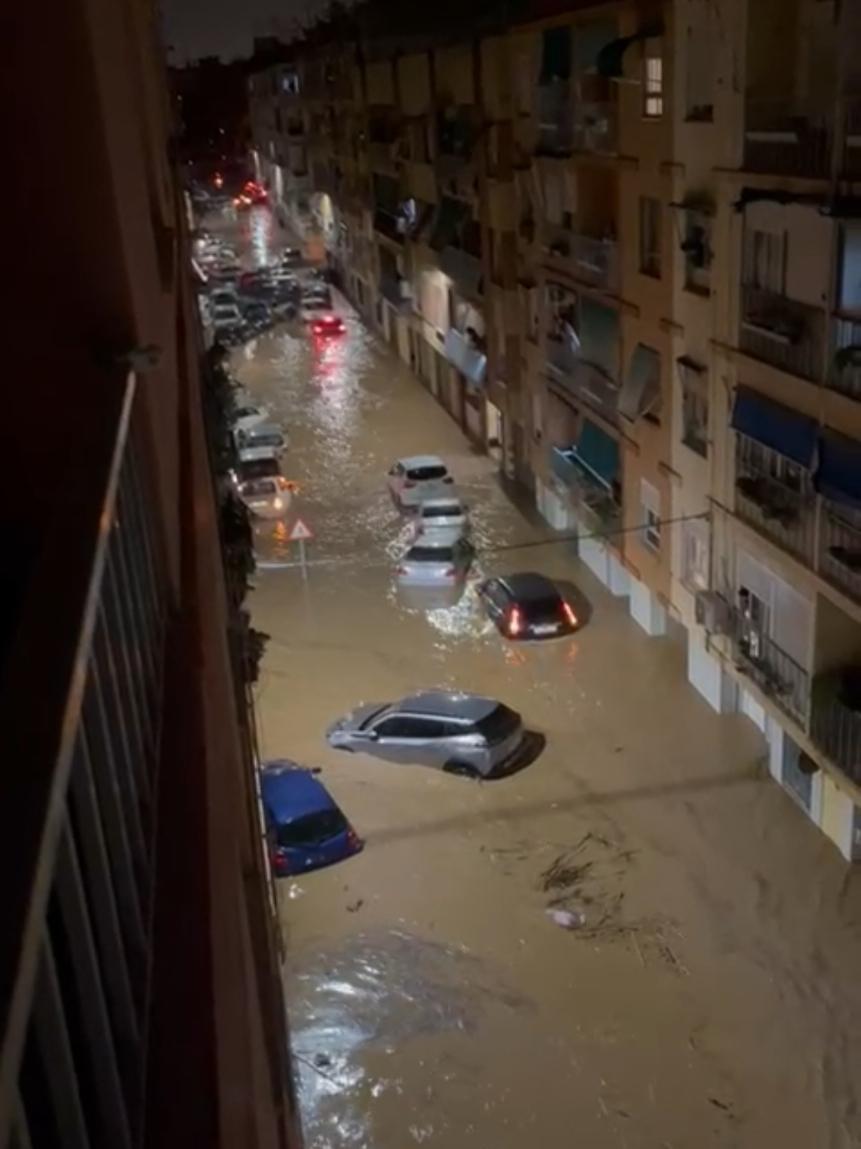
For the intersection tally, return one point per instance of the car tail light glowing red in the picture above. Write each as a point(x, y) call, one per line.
point(353, 839)
point(515, 622)
point(570, 616)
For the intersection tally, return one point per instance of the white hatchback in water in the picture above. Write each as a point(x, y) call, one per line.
point(441, 560)
point(267, 498)
point(446, 513)
point(416, 478)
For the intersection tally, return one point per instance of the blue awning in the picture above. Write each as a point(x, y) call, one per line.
point(598, 452)
point(783, 430)
point(839, 474)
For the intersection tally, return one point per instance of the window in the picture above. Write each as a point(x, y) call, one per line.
point(650, 507)
point(290, 83)
point(650, 236)
point(764, 260)
point(695, 405)
point(695, 555)
point(653, 79)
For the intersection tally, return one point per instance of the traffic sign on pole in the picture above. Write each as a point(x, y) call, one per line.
point(300, 531)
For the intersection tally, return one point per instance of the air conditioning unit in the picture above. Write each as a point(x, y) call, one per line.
point(712, 612)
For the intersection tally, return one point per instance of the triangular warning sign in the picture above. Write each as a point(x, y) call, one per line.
point(299, 531)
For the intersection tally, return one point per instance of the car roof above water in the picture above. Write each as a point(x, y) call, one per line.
point(292, 791)
point(413, 462)
point(451, 704)
point(529, 585)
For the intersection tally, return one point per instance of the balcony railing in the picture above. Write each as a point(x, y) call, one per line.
point(463, 267)
point(780, 141)
point(835, 720)
point(783, 332)
point(587, 382)
point(781, 511)
point(391, 226)
point(555, 128)
point(594, 261)
point(465, 356)
point(81, 815)
point(840, 547)
point(774, 671)
point(595, 127)
point(595, 504)
point(844, 374)
point(395, 291)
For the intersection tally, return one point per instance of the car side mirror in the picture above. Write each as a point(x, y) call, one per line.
point(372, 735)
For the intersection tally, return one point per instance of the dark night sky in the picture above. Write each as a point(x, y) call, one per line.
point(226, 27)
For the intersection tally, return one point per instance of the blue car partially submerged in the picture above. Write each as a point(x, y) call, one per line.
point(305, 826)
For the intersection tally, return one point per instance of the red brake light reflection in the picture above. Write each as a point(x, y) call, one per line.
point(570, 616)
point(515, 622)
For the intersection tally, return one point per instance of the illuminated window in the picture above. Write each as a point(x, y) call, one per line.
point(653, 80)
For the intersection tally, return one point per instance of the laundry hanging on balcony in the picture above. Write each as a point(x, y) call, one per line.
point(789, 433)
point(838, 476)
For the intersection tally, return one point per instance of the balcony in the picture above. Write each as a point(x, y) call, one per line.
point(456, 138)
point(835, 719)
point(465, 356)
point(780, 141)
point(783, 509)
point(593, 261)
point(585, 381)
point(840, 547)
point(844, 374)
point(774, 671)
point(463, 268)
point(595, 502)
point(595, 127)
point(780, 331)
point(555, 131)
point(395, 291)
point(388, 224)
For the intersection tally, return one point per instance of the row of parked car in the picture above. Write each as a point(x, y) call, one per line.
point(260, 446)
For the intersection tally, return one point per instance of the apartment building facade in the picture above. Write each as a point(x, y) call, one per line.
point(140, 975)
point(617, 244)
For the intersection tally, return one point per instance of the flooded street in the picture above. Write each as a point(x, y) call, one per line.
point(711, 995)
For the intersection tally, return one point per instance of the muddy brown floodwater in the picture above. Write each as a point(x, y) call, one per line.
point(711, 995)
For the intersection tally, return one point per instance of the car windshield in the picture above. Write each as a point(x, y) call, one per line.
point(315, 304)
point(498, 724)
point(430, 554)
point(424, 474)
point(312, 829)
point(258, 487)
point(446, 511)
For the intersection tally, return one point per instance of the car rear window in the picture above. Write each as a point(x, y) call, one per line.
point(541, 608)
point(312, 829)
point(269, 439)
point(430, 554)
point(423, 474)
point(259, 487)
point(447, 511)
point(258, 468)
point(498, 724)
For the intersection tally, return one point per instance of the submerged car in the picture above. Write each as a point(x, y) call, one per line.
point(446, 513)
point(441, 559)
point(416, 478)
point(461, 733)
point(261, 437)
point(267, 498)
point(528, 606)
point(304, 824)
point(247, 416)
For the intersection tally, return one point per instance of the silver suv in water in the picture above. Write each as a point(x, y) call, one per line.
point(462, 733)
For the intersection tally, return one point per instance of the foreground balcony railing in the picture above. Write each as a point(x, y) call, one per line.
point(835, 719)
point(844, 374)
point(783, 332)
point(82, 813)
point(586, 381)
point(780, 141)
point(773, 670)
point(593, 261)
point(840, 547)
point(785, 513)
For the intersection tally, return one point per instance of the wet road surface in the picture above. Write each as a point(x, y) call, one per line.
point(710, 997)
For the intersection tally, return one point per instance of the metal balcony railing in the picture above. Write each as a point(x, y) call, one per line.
point(465, 356)
point(780, 140)
point(835, 725)
point(74, 1039)
point(783, 332)
point(783, 512)
point(844, 373)
point(840, 547)
point(774, 671)
point(593, 261)
point(586, 382)
point(596, 505)
point(594, 127)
